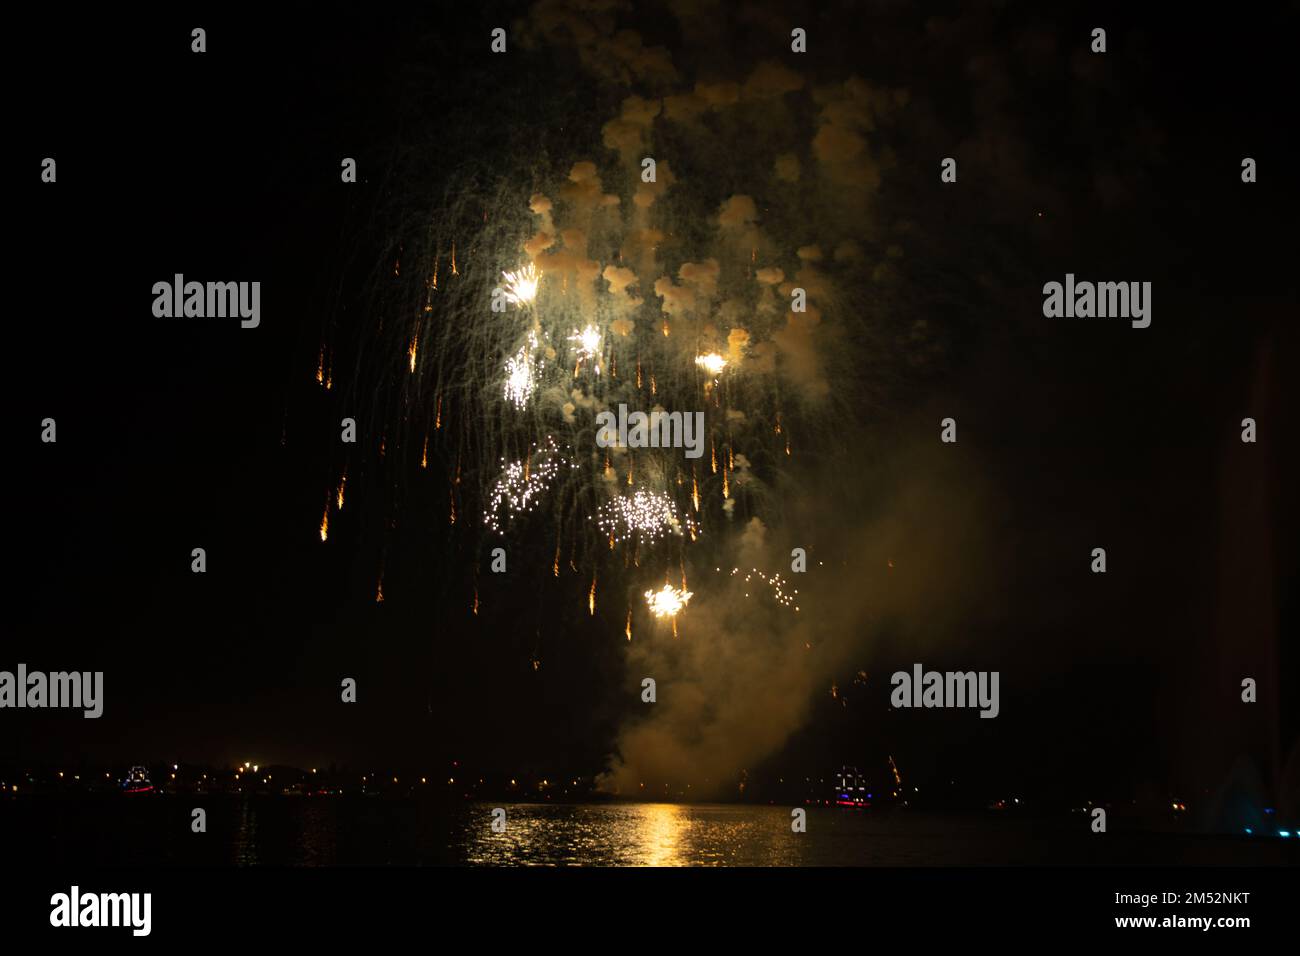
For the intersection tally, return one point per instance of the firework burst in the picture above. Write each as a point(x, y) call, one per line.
point(521, 285)
point(587, 344)
point(658, 303)
point(713, 363)
point(668, 602)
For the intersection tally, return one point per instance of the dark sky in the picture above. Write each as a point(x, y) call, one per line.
point(225, 166)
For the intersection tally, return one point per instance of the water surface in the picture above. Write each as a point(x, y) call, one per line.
point(279, 831)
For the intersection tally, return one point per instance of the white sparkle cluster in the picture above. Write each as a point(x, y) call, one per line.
point(647, 515)
point(775, 582)
point(522, 373)
point(522, 483)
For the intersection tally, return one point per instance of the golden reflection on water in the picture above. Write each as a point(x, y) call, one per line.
point(659, 828)
point(632, 834)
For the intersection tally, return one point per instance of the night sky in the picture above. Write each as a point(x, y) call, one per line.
point(175, 434)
